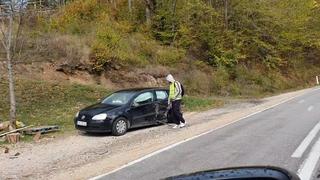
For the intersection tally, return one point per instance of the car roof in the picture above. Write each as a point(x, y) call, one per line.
point(142, 89)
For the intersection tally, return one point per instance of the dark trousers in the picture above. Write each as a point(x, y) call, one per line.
point(176, 112)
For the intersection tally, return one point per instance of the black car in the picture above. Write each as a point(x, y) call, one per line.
point(123, 110)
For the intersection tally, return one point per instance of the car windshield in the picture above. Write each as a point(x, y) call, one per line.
point(118, 98)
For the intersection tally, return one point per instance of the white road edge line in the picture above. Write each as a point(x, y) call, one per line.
point(189, 139)
point(306, 142)
point(306, 169)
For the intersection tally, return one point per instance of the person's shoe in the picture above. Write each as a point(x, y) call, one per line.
point(181, 125)
point(176, 126)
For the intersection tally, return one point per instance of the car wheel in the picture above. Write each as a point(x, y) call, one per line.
point(119, 127)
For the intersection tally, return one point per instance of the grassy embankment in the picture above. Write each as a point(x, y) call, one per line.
point(44, 103)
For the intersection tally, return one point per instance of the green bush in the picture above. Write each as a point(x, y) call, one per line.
point(111, 46)
point(169, 56)
point(197, 83)
point(109, 37)
point(220, 81)
point(75, 17)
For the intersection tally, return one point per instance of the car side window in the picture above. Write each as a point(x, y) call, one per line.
point(143, 98)
point(161, 95)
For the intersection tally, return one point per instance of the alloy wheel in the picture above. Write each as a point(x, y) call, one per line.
point(121, 126)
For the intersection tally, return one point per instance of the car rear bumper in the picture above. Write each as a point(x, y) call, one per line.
point(95, 126)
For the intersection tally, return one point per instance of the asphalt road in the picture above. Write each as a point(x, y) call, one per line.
point(284, 136)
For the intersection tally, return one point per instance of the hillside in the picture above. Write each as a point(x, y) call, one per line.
point(260, 47)
point(245, 48)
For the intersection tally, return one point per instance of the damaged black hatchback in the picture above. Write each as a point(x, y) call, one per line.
point(123, 110)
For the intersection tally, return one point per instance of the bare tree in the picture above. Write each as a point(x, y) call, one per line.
point(130, 6)
point(174, 7)
point(10, 21)
point(226, 13)
point(150, 8)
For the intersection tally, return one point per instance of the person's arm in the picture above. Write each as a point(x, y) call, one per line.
point(171, 95)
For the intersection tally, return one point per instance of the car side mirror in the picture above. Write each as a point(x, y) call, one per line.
point(242, 173)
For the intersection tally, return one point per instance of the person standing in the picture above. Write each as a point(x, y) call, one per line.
point(174, 101)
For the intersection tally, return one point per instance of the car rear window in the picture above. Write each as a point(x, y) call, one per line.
point(161, 95)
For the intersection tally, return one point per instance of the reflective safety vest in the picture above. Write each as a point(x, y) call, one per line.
point(175, 91)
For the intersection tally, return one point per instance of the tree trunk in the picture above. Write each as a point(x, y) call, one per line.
point(13, 138)
point(10, 76)
point(130, 6)
point(148, 16)
point(226, 14)
point(114, 3)
point(150, 8)
point(11, 94)
point(174, 7)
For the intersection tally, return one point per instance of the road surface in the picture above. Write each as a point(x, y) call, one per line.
point(284, 136)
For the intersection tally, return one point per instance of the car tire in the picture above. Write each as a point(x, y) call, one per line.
point(119, 126)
